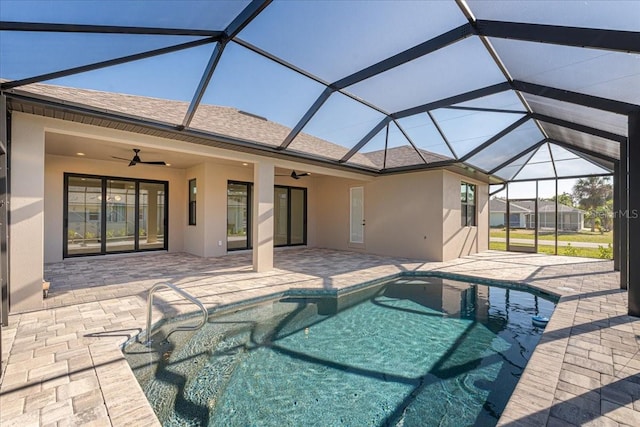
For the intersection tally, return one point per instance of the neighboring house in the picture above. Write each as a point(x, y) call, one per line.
point(522, 215)
point(225, 188)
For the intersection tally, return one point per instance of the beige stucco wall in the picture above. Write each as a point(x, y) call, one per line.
point(457, 240)
point(403, 214)
point(56, 166)
point(208, 237)
point(26, 203)
point(414, 215)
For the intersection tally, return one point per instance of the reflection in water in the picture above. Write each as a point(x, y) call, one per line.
point(419, 351)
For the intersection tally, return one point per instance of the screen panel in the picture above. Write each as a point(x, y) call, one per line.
point(213, 15)
point(595, 72)
point(518, 140)
point(466, 130)
point(324, 38)
point(170, 80)
point(610, 14)
point(27, 54)
point(507, 100)
point(584, 140)
point(246, 82)
point(509, 171)
point(461, 67)
point(539, 166)
point(425, 135)
point(338, 126)
point(604, 120)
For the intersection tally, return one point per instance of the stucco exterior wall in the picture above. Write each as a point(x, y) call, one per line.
point(26, 204)
point(194, 235)
point(403, 215)
point(56, 166)
point(459, 241)
point(414, 215)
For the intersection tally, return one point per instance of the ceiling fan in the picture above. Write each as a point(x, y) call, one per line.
point(296, 175)
point(136, 159)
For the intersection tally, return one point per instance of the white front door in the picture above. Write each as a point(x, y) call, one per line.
point(356, 234)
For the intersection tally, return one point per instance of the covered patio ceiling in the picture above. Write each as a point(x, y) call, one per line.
point(515, 90)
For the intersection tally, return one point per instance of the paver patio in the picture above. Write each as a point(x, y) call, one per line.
point(63, 364)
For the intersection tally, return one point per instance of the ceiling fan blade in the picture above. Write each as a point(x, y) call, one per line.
point(132, 163)
point(296, 175)
point(153, 163)
point(120, 158)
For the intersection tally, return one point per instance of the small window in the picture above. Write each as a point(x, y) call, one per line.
point(468, 201)
point(192, 201)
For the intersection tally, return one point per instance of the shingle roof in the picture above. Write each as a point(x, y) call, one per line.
point(526, 206)
point(226, 121)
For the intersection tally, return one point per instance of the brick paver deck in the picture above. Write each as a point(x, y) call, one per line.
point(64, 365)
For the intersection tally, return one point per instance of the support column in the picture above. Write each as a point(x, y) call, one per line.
point(4, 203)
point(633, 155)
point(623, 194)
point(616, 216)
point(26, 252)
point(262, 216)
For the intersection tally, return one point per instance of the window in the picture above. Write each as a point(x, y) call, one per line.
point(238, 215)
point(192, 201)
point(100, 215)
point(468, 200)
point(289, 215)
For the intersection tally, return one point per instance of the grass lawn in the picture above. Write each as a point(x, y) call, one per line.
point(583, 236)
point(569, 251)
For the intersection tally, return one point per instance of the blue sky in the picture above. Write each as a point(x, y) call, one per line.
point(326, 41)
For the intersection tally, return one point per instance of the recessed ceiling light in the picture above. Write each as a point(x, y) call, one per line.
point(245, 164)
point(167, 164)
point(79, 154)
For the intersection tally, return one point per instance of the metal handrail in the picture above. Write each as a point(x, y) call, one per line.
point(154, 288)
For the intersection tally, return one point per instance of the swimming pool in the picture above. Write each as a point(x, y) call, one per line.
point(415, 351)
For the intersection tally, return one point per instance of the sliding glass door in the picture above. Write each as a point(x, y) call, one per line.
point(121, 216)
point(83, 207)
point(238, 217)
point(108, 215)
point(297, 216)
point(289, 216)
point(280, 216)
point(151, 215)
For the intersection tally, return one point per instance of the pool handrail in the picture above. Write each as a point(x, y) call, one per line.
point(191, 298)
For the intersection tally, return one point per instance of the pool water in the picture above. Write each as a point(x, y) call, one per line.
point(417, 351)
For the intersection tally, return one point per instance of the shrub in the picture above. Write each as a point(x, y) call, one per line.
point(570, 250)
point(605, 253)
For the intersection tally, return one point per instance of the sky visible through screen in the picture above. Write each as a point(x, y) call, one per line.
point(319, 37)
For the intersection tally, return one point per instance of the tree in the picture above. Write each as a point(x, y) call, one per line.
point(564, 199)
point(593, 193)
